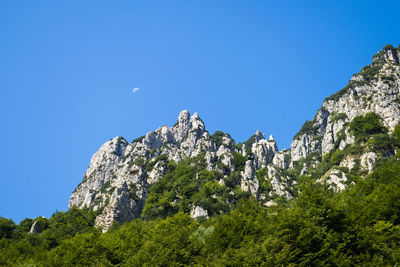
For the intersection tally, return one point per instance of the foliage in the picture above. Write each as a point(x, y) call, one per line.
point(239, 161)
point(64, 225)
point(183, 186)
point(105, 186)
point(370, 135)
point(138, 162)
point(139, 139)
point(358, 226)
point(7, 228)
point(248, 144)
point(388, 47)
point(362, 127)
point(396, 135)
point(320, 227)
point(338, 117)
point(307, 128)
point(24, 226)
point(336, 96)
point(382, 143)
point(218, 138)
point(369, 72)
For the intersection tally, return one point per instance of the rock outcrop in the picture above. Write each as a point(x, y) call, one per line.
point(36, 228)
point(374, 89)
point(117, 182)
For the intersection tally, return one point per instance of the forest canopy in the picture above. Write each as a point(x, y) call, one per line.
point(359, 225)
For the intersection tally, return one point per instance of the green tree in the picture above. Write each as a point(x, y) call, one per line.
point(362, 127)
point(7, 228)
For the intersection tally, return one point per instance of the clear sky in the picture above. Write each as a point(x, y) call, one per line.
point(68, 70)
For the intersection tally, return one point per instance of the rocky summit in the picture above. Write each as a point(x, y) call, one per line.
point(185, 168)
point(120, 174)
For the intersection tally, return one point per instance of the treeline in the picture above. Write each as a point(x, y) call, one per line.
point(359, 226)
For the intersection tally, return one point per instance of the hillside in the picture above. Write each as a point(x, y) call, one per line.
point(143, 178)
point(185, 196)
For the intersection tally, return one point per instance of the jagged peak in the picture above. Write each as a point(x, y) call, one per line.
point(196, 122)
point(195, 116)
point(117, 139)
point(119, 178)
point(258, 136)
point(255, 138)
point(373, 89)
point(387, 54)
point(186, 122)
point(184, 117)
point(115, 142)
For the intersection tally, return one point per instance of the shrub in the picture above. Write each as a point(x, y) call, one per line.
point(239, 161)
point(363, 127)
point(139, 139)
point(307, 128)
point(396, 135)
point(338, 117)
point(388, 47)
point(7, 228)
point(218, 137)
point(381, 143)
point(248, 144)
point(369, 72)
point(336, 157)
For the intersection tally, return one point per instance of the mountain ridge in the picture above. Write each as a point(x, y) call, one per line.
point(119, 179)
point(181, 196)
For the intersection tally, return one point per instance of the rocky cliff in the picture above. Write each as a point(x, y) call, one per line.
point(120, 174)
point(374, 89)
point(119, 179)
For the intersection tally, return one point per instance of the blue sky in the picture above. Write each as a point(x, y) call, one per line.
point(68, 68)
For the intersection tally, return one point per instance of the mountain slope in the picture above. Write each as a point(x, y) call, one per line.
point(374, 89)
point(184, 168)
point(333, 199)
point(118, 179)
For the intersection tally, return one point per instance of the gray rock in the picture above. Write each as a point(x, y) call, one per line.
point(36, 228)
point(368, 160)
point(198, 212)
point(282, 159)
point(120, 174)
point(361, 97)
point(249, 182)
point(336, 179)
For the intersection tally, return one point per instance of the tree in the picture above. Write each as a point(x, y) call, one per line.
point(7, 228)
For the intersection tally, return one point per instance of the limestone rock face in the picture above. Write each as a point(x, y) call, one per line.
point(282, 159)
point(249, 182)
point(263, 152)
point(280, 184)
point(117, 179)
point(36, 228)
point(368, 161)
point(198, 212)
point(120, 174)
point(374, 89)
point(336, 179)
